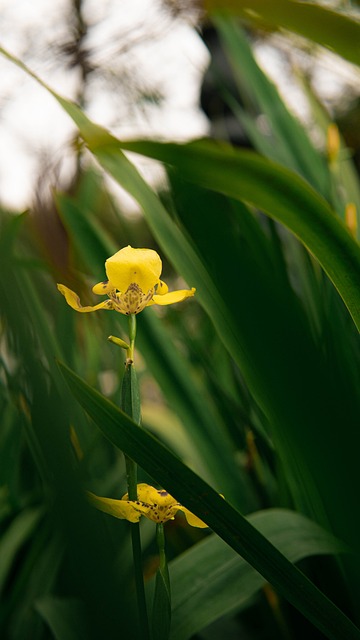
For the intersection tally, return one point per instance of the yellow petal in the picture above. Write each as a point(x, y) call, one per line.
point(193, 520)
point(148, 494)
point(117, 508)
point(172, 297)
point(74, 301)
point(162, 288)
point(103, 287)
point(145, 493)
point(140, 266)
point(157, 496)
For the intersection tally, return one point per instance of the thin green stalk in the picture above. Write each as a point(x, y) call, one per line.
point(161, 616)
point(132, 336)
point(131, 478)
point(130, 404)
point(163, 566)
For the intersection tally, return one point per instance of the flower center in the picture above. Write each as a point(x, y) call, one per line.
point(133, 300)
point(161, 513)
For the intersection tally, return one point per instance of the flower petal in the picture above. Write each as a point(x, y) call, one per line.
point(103, 287)
point(146, 493)
point(151, 496)
point(193, 520)
point(74, 301)
point(140, 266)
point(172, 297)
point(117, 508)
point(162, 288)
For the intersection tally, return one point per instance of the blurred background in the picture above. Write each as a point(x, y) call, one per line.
point(136, 67)
point(141, 69)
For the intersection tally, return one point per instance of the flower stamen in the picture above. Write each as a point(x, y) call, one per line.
point(133, 284)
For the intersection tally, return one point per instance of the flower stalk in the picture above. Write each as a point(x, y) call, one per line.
point(161, 614)
point(130, 404)
point(132, 336)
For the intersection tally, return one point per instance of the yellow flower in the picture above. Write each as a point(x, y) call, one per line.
point(155, 504)
point(133, 283)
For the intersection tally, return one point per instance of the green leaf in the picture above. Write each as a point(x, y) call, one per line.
point(161, 609)
point(130, 395)
point(210, 580)
point(12, 540)
point(161, 613)
point(288, 142)
point(284, 196)
point(66, 617)
point(333, 30)
point(36, 576)
point(208, 505)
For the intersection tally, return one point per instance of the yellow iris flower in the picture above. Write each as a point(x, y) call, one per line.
point(133, 283)
point(155, 504)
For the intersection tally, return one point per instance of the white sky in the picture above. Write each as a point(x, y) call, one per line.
point(171, 60)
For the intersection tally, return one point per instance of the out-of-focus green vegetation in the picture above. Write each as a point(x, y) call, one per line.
point(252, 386)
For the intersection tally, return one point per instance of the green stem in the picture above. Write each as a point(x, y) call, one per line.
point(161, 615)
point(131, 472)
point(132, 336)
point(163, 566)
point(139, 581)
point(130, 404)
point(131, 478)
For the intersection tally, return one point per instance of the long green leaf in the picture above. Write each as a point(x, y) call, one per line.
point(244, 175)
point(65, 617)
point(200, 498)
point(16, 535)
point(333, 30)
point(210, 580)
point(289, 143)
